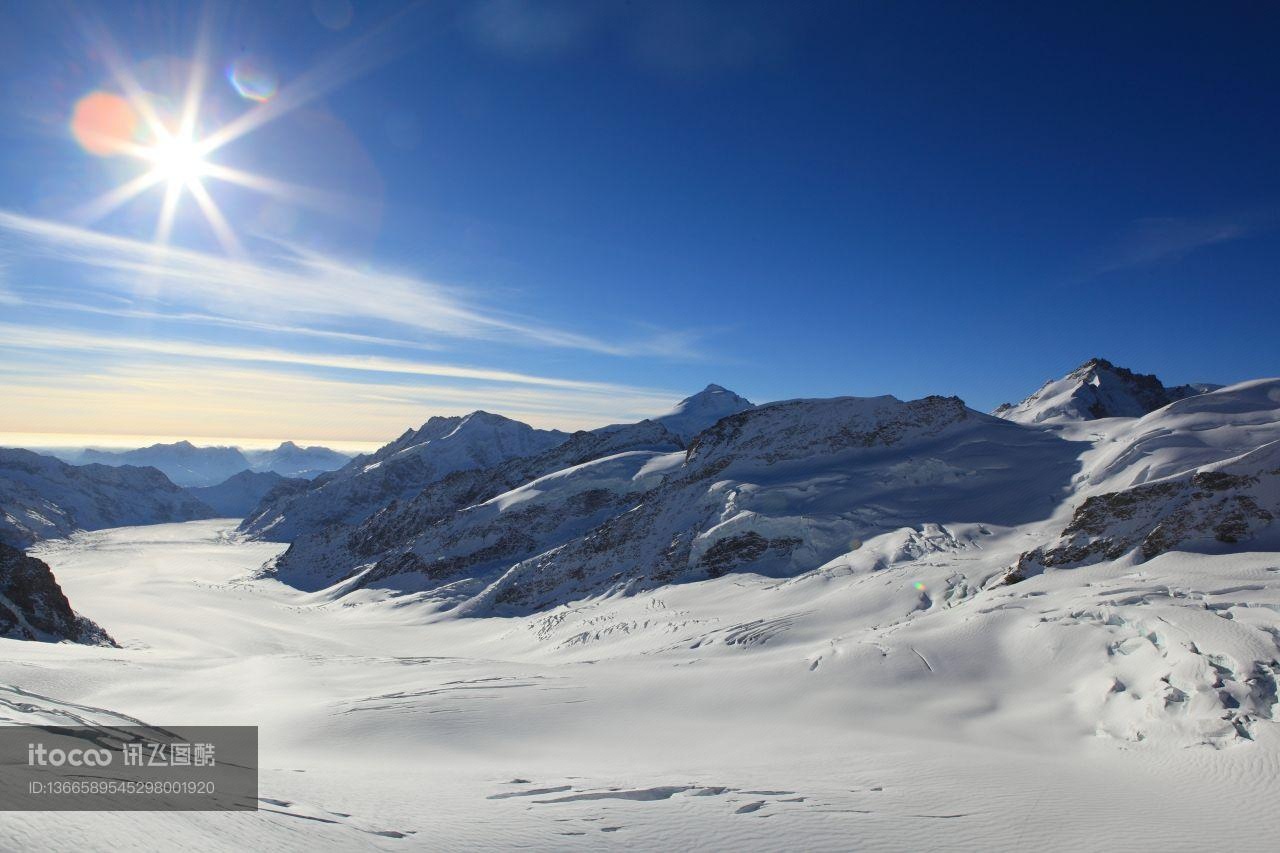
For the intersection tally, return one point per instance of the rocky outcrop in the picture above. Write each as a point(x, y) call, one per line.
point(1225, 507)
point(33, 607)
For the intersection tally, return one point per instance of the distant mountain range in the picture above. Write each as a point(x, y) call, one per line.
point(482, 514)
point(473, 520)
point(188, 465)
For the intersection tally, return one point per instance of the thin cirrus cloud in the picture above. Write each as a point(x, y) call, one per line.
point(59, 340)
point(303, 286)
point(1156, 240)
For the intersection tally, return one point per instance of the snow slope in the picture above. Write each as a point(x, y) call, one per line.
point(777, 489)
point(694, 414)
point(319, 558)
point(398, 471)
point(886, 702)
point(42, 497)
point(1097, 389)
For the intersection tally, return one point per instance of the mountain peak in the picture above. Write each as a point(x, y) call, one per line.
point(1097, 389)
point(698, 412)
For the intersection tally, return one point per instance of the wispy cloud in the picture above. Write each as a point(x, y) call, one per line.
point(302, 286)
point(35, 338)
point(1152, 241)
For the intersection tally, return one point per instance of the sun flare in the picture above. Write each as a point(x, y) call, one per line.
point(177, 159)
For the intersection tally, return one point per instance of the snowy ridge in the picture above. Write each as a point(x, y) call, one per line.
point(1097, 389)
point(397, 472)
point(320, 557)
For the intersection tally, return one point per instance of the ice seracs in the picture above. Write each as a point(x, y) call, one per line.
point(1097, 389)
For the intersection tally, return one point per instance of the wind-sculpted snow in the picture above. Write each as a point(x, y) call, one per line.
point(42, 497)
point(397, 472)
point(1097, 389)
point(1187, 434)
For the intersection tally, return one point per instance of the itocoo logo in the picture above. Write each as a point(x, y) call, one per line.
point(39, 756)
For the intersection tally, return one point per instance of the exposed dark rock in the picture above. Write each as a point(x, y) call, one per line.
point(33, 607)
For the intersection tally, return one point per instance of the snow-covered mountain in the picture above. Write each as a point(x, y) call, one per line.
point(1200, 475)
point(786, 488)
point(290, 460)
point(694, 414)
point(323, 552)
point(776, 489)
point(182, 462)
point(1097, 389)
point(33, 607)
point(397, 472)
point(42, 497)
point(237, 496)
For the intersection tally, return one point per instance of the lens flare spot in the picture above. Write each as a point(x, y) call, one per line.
point(103, 124)
point(919, 586)
point(252, 80)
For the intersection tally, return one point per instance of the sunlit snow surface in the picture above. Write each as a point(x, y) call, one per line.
point(898, 708)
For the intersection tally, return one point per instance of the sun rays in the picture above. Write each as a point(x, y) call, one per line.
point(170, 144)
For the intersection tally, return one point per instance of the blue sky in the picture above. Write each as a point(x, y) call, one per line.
point(575, 213)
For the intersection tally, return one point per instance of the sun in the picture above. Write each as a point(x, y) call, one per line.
point(177, 160)
point(174, 153)
point(164, 133)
